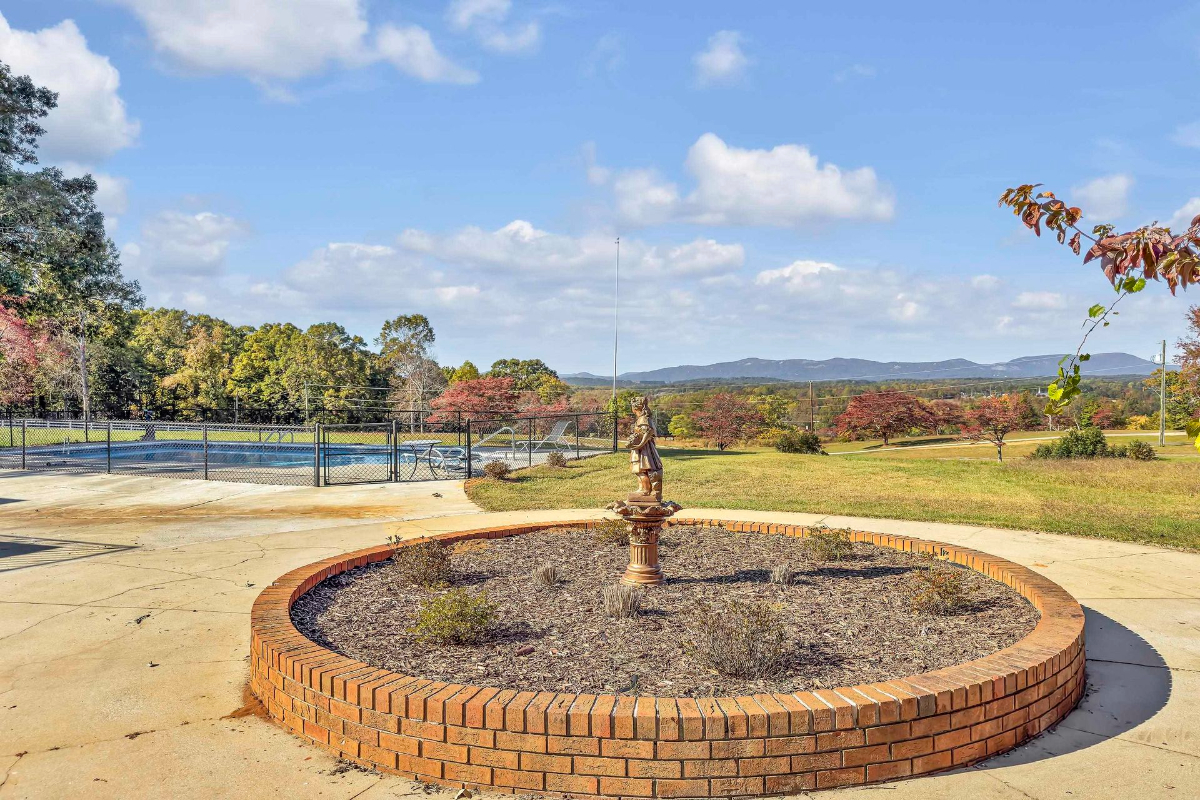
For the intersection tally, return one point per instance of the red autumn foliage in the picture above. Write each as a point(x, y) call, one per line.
point(478, 398)
point(993, 418)
point(18, 357)
point(882, 415)
point(727, 419)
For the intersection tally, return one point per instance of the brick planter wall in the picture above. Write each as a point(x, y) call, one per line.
point(616, 746)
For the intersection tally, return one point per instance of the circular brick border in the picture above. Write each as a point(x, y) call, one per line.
point(613, 746)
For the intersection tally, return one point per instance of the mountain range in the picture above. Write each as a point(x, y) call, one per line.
point(803, 369)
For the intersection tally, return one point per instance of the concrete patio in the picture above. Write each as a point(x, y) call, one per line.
point(124, 609)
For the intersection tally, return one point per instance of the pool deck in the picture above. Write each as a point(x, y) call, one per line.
point(124, 606)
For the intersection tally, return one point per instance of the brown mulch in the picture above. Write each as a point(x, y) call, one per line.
point(846, 623)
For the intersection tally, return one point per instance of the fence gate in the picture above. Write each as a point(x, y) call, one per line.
point(363, 453)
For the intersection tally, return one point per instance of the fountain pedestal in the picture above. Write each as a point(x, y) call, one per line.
point(645, 515)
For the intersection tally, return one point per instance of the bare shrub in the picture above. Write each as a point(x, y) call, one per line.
point(546, 575)
point(622, 600)
point(456, 617)
point(611, 531)
point(783, 575)
point(829, 544)
point(556, 459)
point(425, 563)
point(939, 590)
point(497, 470)
point(744, 640)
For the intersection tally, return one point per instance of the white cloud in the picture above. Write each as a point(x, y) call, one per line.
point(174, 245)
point(410, 49)
point(1182, 218)
point(284, 40)
point(90, 122)
point(1187, 135)
point(722, 61)
point(596, 174)
point(1104, 198)
point(112, 192)
point(1040, 301)
point(854, 71)
point(607, 55)
point(786, 186)
point(795, 276)
point(487, 18)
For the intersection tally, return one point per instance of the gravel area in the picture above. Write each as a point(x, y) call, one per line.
point(845, 623)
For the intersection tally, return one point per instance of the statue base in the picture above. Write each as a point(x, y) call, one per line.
point(645, 514)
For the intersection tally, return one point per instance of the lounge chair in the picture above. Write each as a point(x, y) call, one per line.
point(555, 438)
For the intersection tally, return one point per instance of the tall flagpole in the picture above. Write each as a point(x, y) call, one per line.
point(616, 295)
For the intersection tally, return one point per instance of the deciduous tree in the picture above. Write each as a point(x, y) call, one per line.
point(726, 419)
point(883, 415)
point(478, 399)
point(993, 418)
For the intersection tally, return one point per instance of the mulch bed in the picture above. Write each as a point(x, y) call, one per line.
point(845, 623)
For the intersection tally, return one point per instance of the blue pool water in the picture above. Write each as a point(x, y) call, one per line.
point(222, 454)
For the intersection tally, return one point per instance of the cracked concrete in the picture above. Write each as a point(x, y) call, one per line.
point(120, 671)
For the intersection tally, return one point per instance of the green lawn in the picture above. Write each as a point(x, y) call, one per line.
point(1151, 502)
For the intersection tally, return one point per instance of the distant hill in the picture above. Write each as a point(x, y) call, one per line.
point(803, 369)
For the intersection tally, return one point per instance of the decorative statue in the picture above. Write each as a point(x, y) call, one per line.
point(643, 455)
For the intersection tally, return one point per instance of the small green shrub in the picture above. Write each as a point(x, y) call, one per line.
point(497, 470)
point(425, 563)
point(744, 641)
point(556, 459)
point(805, 442)
point(1140, 450)
point(939, 590)
point(1075, 443)
point(456, 617)
point(546, 575)
point(611, 531)
point(622, 600)
point(829, 544)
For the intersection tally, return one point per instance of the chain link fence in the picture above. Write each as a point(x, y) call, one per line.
point(407, 448)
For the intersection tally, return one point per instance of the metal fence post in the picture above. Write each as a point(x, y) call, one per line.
point(316, 454)
point(24, 423)
point(614, 430)
point(204, 432)
point(529, 447)
point(108, 448)
point(394, 453)
point(469, 470)
point(576, 437)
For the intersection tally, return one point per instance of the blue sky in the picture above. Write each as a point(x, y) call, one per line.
point(788, 180)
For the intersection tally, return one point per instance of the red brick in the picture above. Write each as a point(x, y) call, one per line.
point(889, 771)
point(466, 773)
point(476, 737)
point(912, 747)
point(681, 788)
point(618, 748)
point(840, 777)
point(400, 744)
point(639, 768)
point(931, 763)
point(970, 752)
point(930, 725)
point(627, 787)
point(840, 740)
point(540, 762)
point(573, 745)
point(444, 752)
point(611, 767)
point(885, 734)
point(523, 780)
point(951, 740)
point(774, 765)
point(683, 750)
point(790, 784)
point(738, 748)
point(503, 759)
point(816, 761)
point(737, 786)
point(572, 784)
point(865, 755)
point(710, 768)
point(791, 745)
point(525, 742)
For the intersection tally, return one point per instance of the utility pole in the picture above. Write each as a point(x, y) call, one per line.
point(616, 295)
point(1162, 400)
point(812, 410)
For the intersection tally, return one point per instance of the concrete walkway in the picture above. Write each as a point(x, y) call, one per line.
point(123, 634)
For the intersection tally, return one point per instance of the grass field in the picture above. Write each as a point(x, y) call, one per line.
point(1151, 502)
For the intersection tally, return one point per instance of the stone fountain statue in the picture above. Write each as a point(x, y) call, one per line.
point(644, 509)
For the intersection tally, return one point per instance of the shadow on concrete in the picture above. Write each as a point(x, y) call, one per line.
point(1127, 683)
point(22, 552)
